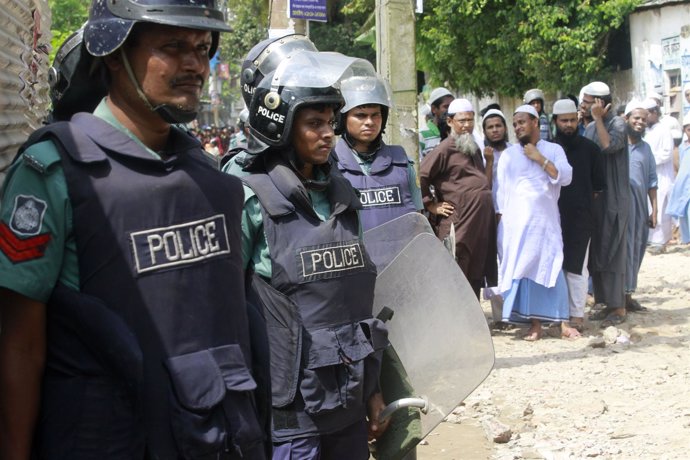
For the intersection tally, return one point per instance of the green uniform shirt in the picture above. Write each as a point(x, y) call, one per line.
point(254, 245)
point(428, 139)
point(34, 197)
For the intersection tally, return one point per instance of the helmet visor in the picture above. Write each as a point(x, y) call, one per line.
point(362, 90)
point(275, 53)
point(314, 69)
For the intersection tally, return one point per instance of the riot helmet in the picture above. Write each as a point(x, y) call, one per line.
point(365, 90)
point(265, 57)
point(303, 78)
point(72, 88)
point(534, 94)
point(111, 21)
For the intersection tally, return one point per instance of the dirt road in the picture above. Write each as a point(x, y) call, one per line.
point(567, 399)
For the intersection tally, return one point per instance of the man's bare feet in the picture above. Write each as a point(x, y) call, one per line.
point(534, 333)
point(569, 332)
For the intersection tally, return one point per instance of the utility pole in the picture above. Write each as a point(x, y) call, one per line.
point(279, 24)
point(395, 60)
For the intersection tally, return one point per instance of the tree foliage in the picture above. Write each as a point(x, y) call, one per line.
point(66, 17)
point(506, 46)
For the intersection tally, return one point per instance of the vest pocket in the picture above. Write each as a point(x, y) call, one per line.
point(212, 405)
point(337, 373)
point(284, 326)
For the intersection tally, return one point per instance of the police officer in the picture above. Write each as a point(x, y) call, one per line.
point(301, 238)
point(382, 173)
point(122, 298)
point(535, 98)
point(261, 60)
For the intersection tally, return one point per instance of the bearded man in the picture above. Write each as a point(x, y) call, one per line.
point(575, 206)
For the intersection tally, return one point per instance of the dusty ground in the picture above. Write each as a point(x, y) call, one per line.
point(569, 400)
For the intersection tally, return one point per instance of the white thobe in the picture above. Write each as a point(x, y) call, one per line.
point(660, 140)
point(530, 226)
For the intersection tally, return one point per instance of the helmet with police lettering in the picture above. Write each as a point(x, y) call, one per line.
point(365, 90)
point(111, 21)
point(304, 78)
point(265, 56)
point(72, 86)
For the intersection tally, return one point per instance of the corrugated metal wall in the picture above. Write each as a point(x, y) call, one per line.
point(24, 46)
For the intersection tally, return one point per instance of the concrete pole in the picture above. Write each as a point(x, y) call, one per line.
point(279, 24)
point(395, 60)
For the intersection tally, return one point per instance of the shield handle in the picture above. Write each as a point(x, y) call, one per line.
point(421, 403)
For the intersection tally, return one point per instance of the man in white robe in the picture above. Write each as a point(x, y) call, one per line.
point(530, 176)
point(660, 139)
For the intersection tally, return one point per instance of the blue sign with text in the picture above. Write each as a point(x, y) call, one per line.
point(311, 10)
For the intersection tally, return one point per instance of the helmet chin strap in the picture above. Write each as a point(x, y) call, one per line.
point(167, 112)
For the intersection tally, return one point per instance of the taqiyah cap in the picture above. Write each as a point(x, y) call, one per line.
point(437, 94)
point(563, 106)
point(597, 88)
point(493, 113)
point(655, 95)
point(650, 104)
point(460, 105)
point(527, 109)
point(634, 105)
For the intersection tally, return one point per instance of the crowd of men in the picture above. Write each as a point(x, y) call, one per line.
point(155, 307)
point(578, 200)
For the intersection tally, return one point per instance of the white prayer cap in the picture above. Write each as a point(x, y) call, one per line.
point(597, 89)
point(563, 106)
point(686, 119)
point(527, 109)
point(460, 105)
point(493, 113)
point(650, 104)
point(654, 95)
point(437, 94)
point(634, 105)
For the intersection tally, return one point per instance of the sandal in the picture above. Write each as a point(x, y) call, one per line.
point(600, 314)
point(612, 320)
point(634, 306)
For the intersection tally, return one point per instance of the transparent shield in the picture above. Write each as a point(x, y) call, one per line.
point(384, 242)
point(437, 329)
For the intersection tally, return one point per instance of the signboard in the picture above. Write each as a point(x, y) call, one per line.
point(685, 68)
point(310, 10)
point(670, 48)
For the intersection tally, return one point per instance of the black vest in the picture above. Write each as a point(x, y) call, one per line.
point(152, 357)
point(325, 345)
point(385, 193)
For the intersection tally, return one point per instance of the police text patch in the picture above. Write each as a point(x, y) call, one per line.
point(27, 215)
point(180, 244)
point(384, 196)
point(330, 260)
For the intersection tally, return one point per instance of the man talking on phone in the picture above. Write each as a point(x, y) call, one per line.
point(612, 207)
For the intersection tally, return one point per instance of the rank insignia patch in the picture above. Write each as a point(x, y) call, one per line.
point(22, 249)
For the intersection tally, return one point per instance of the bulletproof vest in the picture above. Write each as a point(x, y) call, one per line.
point(325, 345)
point(151, 358)
point(385, 193)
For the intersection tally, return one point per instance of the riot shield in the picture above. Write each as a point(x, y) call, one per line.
point(438, 331)
point(385, 242)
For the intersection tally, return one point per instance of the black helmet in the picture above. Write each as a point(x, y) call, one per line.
point(72, 87)
point(265, 56)
point(111, 21)
point(303, 78)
